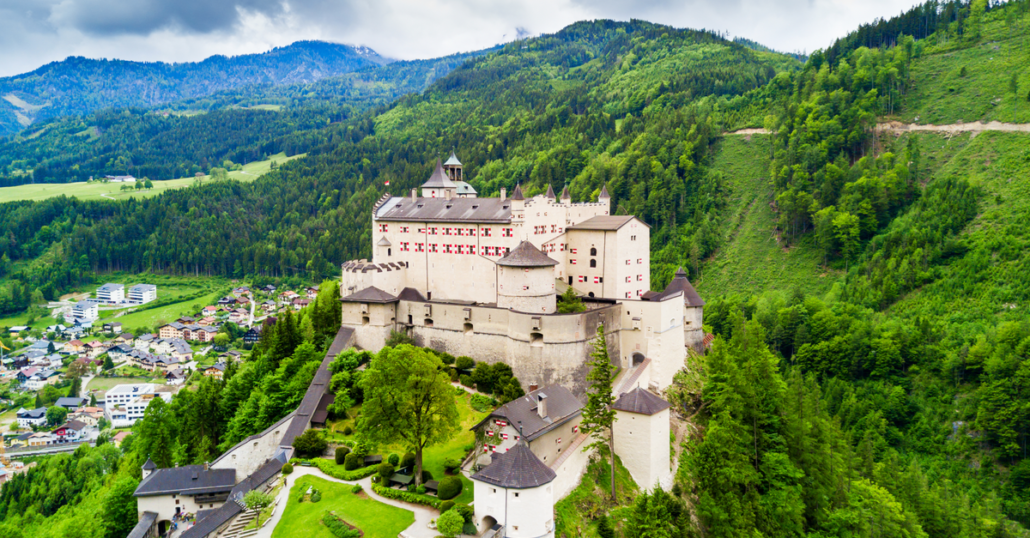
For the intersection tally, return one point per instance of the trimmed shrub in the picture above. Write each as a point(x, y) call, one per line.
point(408, 461)
point(421, 490)
point(333, 470)
point(352, 461)
point(310, 443)
point(394, 459)
point(384, 470)
point(450, 487)
point(466, 511)
point(464, 363)
point(450, 524)
point(341, 454)
point(451, 465)
point(338, 527)
point(446, 358)
point(426, 476)
point(401, 495)
point(465, 379)
point(316, 496)
point(287, 468)
point(356, 489)
point(411, 488)
point(446, 505)
point(347, 430)
point(454, 377)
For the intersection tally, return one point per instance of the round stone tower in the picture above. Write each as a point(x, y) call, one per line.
point(526, 280)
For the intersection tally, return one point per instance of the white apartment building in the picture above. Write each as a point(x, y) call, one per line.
point(111, 293)
point(142, 293)
point(125, 404)
point(85, 312)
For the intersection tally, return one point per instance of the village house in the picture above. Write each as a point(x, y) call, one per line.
point(112, 327)
point(167, 493)
point(252, 335)
point(175, 377)
point(176, 347)
point(89, 416)
point(121, 352)
point(311, 292)
point(152, 362)
point(299, 304)
point(172, 330)
point(95, 349)
point(144, 341)
point(28, 418)
point(287, 297)
point(208, 321)
point(215, 370)
point(239, 316)
point(124, 338)
point(71, 403)
point(42, 378)
point(200, 333)
point(119, 437)
point(269, 306)
point(40, 439)
point(69, 432)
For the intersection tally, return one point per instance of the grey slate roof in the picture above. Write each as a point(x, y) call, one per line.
point(641, 402)
point(370, 294)
point(411, 294)
point(70, 401)
point(517, 193)
point(319, 385)
point(214, 519)
point(518, 468)
point(149, 465)
point(606, 223)
point(562, 406)
point(565, 193)
point(550, 192)
point(464, 188)
point(678, 284)
point(439, 179)
point(487, 210)
point(604, 193)
point(142, 529)
point(526, 255)
point(187, 480)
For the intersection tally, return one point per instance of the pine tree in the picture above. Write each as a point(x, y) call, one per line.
point(598, 415)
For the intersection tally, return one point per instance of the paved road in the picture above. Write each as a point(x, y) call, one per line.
point(898, 127)
point(418, 529)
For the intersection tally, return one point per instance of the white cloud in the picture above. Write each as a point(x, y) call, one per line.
point(34, 32)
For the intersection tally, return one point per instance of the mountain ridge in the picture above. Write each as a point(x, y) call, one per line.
point(79, 85)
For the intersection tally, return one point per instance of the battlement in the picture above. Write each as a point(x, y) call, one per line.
point(365, 266)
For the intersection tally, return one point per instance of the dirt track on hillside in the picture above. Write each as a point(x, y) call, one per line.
point(953, 128)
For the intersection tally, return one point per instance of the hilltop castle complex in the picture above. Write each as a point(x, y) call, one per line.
point(480, 277)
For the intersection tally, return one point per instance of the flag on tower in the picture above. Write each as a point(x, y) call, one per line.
point(387, 183)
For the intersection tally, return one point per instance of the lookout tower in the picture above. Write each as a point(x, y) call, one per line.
point(515, 493)
point(526, 280)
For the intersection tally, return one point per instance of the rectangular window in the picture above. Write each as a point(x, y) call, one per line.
point(629, 279)
point(506, 232)
point(420, 247)
point(432, 247)
point(640, 278)
point(627, 262)
point(575, 429)
point(447, 231)
point(486, 232)
point(572, 250)
point(629, 295)
point(421, 230)
point(554, 228)
point(471, 249)
point(471, 232)
point(639, 293)
point(572, 261)
point(582, 278)
point(640, 261)
point(432, 231)
point(404, 229)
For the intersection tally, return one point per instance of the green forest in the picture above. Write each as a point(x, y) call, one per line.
point(878, 390)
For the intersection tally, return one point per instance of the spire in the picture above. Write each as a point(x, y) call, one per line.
point(550, 193)
point(149, 465)
point(517, 195)
point(452, 160)
point(565, 193)
point(604, 193)
point(439, 178)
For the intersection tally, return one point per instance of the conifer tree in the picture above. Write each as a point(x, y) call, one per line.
point(598, 415)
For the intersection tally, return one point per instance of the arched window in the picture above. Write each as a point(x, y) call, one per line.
point(593, 263)
point(593, 251)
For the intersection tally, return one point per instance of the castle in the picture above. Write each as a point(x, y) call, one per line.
point(480, 277)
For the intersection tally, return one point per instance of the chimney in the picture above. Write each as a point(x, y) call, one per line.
point(504, 193)
point(448, 193)
point(205, 466)
point(541, 405)
point(414, 194)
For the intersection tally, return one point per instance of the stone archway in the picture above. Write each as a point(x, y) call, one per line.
point(489, 528)
point(637, 358)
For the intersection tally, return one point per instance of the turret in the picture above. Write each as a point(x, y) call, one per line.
point(148, 467)
point(550, 193)
point(439, 185)
point(526, 280)
point(566, 198)
point(605, 199)
point(518, 204)
point(453, 168)
point(516, 492)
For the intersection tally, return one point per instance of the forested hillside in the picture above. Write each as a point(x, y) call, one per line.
point(868, 291)
point(186, 137)
point(80, 85)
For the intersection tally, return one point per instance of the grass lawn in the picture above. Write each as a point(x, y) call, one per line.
point(106, 383)
point(302, 520)
point(434, 456)
point(112, 191)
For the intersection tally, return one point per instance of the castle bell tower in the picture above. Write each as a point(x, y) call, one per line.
point(453, 168)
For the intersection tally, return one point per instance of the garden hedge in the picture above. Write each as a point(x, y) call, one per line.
point(449, 488)
point(401, 495)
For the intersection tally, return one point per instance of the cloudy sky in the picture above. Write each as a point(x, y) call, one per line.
point(34, 32)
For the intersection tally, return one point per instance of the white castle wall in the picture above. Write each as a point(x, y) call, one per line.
point(642, 442)
point(253, 451)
